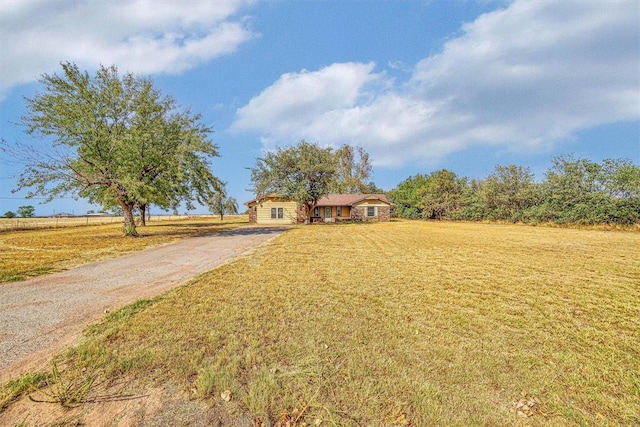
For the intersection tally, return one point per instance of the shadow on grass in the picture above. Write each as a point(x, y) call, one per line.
point(180, 230)
point(207, 230)
point(189, 225)
point(253, 231)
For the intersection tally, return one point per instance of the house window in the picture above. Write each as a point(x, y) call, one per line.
point(339, 211)
point(273, 213)
point(316, 211)
point(280, 213)
point(277, 213)
point(371, 211)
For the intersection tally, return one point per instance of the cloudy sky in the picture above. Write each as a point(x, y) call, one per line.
point(420, 84)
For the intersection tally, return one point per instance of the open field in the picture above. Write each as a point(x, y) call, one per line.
point(400, 323)
point(25, 254)
point(16, 224)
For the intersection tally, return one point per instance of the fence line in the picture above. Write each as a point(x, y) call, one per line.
point(14, 224)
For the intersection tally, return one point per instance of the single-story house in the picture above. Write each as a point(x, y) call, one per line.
point(331, 208)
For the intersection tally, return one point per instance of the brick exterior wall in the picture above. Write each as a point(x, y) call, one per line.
point(384, 213)
point(359, 213)
point(253, 215)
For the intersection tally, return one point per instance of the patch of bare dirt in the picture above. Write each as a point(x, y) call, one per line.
point(158, 407)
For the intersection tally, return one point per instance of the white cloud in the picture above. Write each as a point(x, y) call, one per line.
point(142, 36)
point(524, 77)
point(297, 101)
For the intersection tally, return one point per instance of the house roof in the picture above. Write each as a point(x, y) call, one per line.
point(337, 199)
point(255, 201)
point(350, 199)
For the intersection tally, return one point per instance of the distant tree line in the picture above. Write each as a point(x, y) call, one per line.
point(23, 212)
point(576, 191)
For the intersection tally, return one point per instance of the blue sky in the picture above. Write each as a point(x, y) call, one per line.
point(421, 85)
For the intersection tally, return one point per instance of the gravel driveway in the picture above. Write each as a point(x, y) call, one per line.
point(45, 314)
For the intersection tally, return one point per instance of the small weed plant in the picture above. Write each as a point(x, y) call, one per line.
point(25, 384)
point(69, 387)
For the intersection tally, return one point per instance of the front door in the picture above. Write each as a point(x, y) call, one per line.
point(327, 212)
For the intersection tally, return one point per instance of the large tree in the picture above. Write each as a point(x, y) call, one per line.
point(442, 194)
point(620, 178)
point(508, 192)
point(406, 198)
point(438, 195)
point(353, 171)
point(304, 173)
point(27, 211)
point(117, 141)
point(221, 204)
point(582, 191)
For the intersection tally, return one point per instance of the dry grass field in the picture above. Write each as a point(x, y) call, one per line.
point(32, 252)
point(39, 223)
point(400, 323)
point(17, 224)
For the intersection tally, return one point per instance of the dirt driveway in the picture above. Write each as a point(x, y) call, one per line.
point(43, 315)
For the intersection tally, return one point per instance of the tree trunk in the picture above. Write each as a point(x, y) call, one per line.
point(143, 218)
point(129, 221)
point(310, 208)
point(221, 215)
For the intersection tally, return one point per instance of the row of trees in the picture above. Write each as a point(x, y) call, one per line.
point(118, 142)
point(307, 172)
point(573, 191)
point(27, 211)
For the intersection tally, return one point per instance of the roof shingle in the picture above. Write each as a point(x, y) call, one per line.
point(350, 199)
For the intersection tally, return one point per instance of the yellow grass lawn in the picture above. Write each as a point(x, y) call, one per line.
point(30, 253)
point(400, 323)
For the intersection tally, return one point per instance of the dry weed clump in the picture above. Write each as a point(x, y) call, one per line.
point(402, 323)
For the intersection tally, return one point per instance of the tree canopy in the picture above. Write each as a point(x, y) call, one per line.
point(442, 194)
point(406, 198)
point(27, 211)
point(221, 204)
point(353, 171)
point(304, 173)
point(307, 172)
point(117, 141)
point(573, 191)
